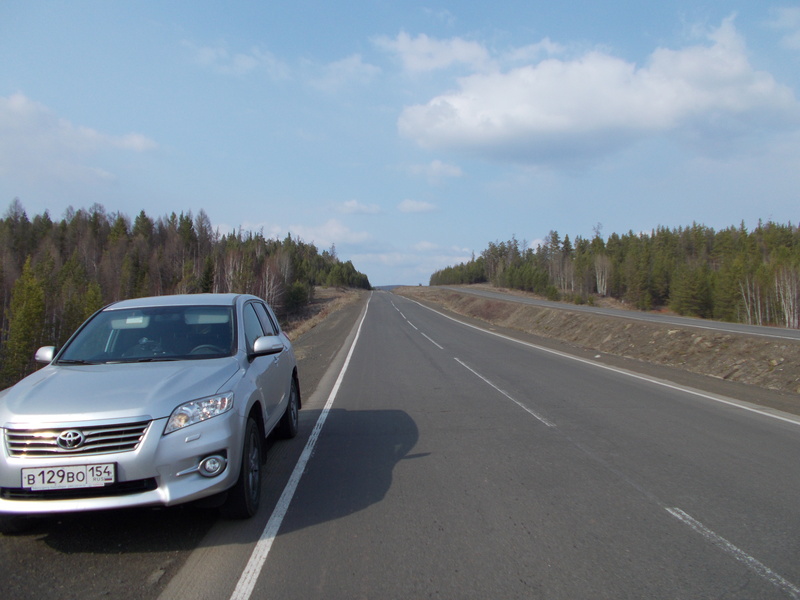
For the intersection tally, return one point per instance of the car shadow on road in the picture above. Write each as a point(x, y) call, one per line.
point(352, 466)
point(123, 531)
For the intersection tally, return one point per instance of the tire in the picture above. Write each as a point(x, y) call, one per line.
point(289, 423)
point(245, 496)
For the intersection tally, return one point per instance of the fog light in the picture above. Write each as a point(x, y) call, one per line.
point(211, 466)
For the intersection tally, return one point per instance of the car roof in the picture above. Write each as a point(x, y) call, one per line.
point(180, 300)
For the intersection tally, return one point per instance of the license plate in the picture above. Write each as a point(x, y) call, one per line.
point(69, 477)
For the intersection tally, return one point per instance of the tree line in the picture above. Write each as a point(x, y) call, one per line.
point(55, 274)
point(735, 274)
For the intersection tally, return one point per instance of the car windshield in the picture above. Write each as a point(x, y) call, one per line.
point(153, 334)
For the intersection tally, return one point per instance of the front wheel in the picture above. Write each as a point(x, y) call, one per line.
point(245, 496)
point(289, 423)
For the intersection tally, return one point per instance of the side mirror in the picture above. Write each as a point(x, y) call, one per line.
point(268, 344)
point(45, 354)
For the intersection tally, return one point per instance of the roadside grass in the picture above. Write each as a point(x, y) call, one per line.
point(326, 301)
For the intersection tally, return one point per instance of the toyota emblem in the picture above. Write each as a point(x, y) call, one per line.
point(70, 439)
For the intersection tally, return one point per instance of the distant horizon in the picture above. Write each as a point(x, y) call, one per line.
point(408, 137)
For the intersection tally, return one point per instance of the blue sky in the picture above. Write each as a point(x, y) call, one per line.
point(407, 134)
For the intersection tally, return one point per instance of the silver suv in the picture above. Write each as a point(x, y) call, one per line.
point(152, 402)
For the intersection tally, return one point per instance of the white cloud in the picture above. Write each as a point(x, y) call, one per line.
point(425, 246)
point(343, 73)
point(409, 267)
point(36, 144)
point(787, 20)
point(136, 142)
point(534, 244)
point(422, 54)
point(354, 207)
point(597, 103)
point(331, 232)
point(436, 170)
point(415, 206)
point(220, 60)
point(534, 52)
point(268, 230)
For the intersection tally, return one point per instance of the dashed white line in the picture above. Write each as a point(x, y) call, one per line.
point(785, 417)
point(432, 341)
point(760, 568)
point(740, 555)
point(506, 394)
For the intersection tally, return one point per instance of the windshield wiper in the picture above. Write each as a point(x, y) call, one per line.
point(155, 359)
point(76, 361)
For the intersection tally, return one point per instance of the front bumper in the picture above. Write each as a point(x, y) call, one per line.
point(161, 471)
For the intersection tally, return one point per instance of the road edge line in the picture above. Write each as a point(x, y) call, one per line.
point(249, 577)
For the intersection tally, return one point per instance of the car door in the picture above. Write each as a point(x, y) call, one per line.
point(284, 362)
point(264, 371)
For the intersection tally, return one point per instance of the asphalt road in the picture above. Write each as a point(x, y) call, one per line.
point(437, 460)
point(721, 326)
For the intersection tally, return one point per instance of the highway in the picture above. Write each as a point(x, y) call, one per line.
point(779, 333)
point(440, 460)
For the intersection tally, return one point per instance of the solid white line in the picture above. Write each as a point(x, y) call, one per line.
point(247, 581)
point(763, 571)
point(794, 420)
point(506, 394)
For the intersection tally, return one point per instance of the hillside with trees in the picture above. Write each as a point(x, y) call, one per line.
point(55, 274)
point(730, 275)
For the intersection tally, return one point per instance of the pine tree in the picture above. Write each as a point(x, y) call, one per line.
point(25, 323)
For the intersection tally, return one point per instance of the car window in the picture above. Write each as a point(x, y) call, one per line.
point(252, 326)
point(157, 333)
point(266, 319)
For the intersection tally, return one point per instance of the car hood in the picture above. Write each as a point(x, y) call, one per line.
point(113, 391)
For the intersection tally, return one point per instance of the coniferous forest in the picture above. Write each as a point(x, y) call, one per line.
point(55, 274)
point(730, 275)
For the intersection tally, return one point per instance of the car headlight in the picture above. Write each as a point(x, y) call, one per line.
point(196, 411)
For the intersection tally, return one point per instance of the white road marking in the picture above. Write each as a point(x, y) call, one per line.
point(407, 321)
point(720, 542)
point(431, 341)
point(785, 417)
point(247, 581)
point(740, 555)
point(506, 394)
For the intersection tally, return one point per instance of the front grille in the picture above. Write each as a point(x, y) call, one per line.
point(122, 488)
point(97, 439)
